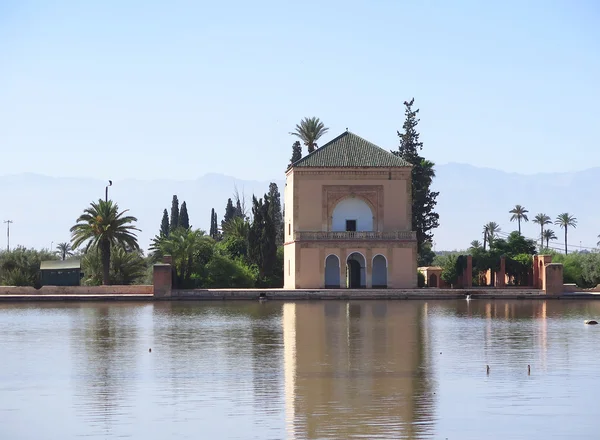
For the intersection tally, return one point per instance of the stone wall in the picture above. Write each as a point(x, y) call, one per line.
point(78, 290)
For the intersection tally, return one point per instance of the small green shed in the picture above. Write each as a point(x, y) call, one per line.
point(60, 273)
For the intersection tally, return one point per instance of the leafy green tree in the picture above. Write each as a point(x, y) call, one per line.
point(164, 224)
point(296, 153)
point(542, 220)
point(519, 213)
point(223, 272)
point(549, 235)
point(449, 269)
point(125, 267)
point(174, 214)
point(235, 244)
point(64, 250)
point(565, 220)
point(103, 226)
point(184, 219)
point(309, 131)
point(424, 218)
point(275, 212)
point(20, 266)
point(190, 251)
point(425, 258)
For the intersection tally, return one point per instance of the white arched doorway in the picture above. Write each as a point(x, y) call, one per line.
point(352, 214)
point(379, 276)
point(332, 271)
point(356, 271)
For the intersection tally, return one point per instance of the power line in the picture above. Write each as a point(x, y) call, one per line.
point(555, 243)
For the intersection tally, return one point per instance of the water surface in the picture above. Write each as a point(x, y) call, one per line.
point(304, 370)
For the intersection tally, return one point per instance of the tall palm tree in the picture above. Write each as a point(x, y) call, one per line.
point(309, 131)
point(490, 229)
point(549, 235)
point(519, 213)
point(64, 250)
point(102, 225)
point(598, 243)
point(542, 220)
point(565, 220)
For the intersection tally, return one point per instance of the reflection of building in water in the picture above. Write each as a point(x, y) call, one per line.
point(355, 369)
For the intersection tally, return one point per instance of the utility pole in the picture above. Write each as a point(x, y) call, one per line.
point(8, 222)
point(106, 191)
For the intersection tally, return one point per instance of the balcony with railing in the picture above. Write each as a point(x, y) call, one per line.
point(355, 235)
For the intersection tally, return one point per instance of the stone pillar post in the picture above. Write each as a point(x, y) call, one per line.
point(536, 272)
point(343, 268)
point(162, 280)
point(369, 269)
point(501, 276)
point(554, 279)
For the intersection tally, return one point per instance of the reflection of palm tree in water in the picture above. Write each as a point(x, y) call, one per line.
point(102, 345)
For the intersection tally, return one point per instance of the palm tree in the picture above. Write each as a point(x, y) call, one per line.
point(565, 220)
point(549, 235)
point(103, 226)
point(188, 248)
point(64, 250)
point(309, 131)
point(542, 220)
point(490, 229)
point(598, 243)
point(475, 244)
point(519, 213)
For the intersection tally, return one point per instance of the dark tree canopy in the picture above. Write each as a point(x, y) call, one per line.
point(174, 214)
point(296, 152)
point(184, 219)
point(262, 249)
point(424, 218)
point(213, 225)
point(164, 224)
point(275, 212)
point(229, 212)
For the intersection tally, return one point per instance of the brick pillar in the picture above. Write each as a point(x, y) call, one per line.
point(501, 275)
point(162, 280)
point(554, 279)
point(536, 273)
point(468, 273)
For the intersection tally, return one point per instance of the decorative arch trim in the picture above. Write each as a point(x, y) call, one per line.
point(380, 255)
point(332, 255)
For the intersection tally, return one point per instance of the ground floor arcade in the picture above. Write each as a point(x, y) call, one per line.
point(312, 266)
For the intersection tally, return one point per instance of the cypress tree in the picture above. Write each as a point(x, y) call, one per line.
point(184, 219)
point(296, 153)
point(164, 224)
point(229, 212)
point(424, 218)
point(213, 224)
point(174, 214)
point(262, 248)
point(238, 209)
point(276, 217)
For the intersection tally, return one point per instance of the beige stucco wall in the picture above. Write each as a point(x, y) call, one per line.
point(312, 194)
point(289, 266)
point(309, 203)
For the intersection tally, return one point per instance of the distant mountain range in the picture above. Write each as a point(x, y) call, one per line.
point(44, 208)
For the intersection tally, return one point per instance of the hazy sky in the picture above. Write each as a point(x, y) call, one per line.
point(176, 89)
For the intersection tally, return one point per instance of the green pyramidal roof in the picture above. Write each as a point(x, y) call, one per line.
point(350, 150)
